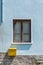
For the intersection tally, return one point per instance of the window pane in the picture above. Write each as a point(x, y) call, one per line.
point(26, 27)
point(17, 38)
point(17, 28)
point(26, 38)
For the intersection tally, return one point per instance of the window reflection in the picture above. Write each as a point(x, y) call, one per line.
point(17, 27)
point(17, 38)
point(26, 27)
point(26, 38)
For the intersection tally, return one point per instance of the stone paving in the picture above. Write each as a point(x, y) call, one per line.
point(18, 60)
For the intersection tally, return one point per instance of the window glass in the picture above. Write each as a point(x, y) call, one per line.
point(17, 38)
point(17, 27)
point(26, 38)
point(26, 27)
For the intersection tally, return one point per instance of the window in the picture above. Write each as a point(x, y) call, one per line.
point(21, 30)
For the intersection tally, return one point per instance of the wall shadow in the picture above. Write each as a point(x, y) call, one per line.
point(21, 46)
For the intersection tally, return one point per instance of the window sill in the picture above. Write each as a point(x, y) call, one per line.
point(21, 43)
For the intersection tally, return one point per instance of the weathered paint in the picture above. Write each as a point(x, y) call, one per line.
point(32, 9)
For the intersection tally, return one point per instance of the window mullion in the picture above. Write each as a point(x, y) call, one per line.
point(21, 30)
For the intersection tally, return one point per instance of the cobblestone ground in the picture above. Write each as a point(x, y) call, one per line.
point(18, 60)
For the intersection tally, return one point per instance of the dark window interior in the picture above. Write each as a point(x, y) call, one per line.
point(21, 30)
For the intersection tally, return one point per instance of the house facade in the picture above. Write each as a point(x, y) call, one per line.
point(22, 10)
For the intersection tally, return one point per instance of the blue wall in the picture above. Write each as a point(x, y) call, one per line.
point(0, 12)
point(32, 9)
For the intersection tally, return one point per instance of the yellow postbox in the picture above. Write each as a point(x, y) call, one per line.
point(12, 52)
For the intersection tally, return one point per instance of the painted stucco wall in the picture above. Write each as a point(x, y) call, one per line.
point(0, 12)
point(32, 9)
